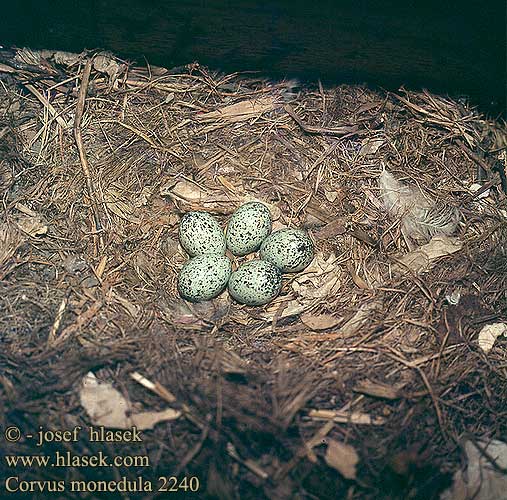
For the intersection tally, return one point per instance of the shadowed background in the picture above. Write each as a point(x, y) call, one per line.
point(456, 49)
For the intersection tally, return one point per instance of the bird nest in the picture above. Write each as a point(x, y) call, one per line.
point(362, 379)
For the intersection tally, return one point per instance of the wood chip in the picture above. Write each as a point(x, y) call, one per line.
point(333, 228)
point(319, 321)
point(342, 457)
point(377, 390)
point(355, 417)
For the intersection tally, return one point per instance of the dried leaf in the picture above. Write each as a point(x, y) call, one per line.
point(106, 406)
point(74, 263)
point(342, 457)
point(196, 197)
point(320, 279)
point(184, 190)
point(473, 188)
point(63, 58)
point(319, 321)
point(370, 146)
point(421, 259)
point(358, 281)
point(33, 226)
point(319, 265)
point(352, 326)
point(195, 316)
point(291, 308)
point(240, 111)
point(330, 195)
point(317, 289)
point(481, 481)
point(106, 63)
point(489, 334)
point(148, 419)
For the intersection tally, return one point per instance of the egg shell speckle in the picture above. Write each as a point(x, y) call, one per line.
point(255, 283)
point(200, 234)
point(204, 277)
point(291, 250)
point(248, 226)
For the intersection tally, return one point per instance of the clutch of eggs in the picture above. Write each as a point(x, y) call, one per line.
point(256, 282)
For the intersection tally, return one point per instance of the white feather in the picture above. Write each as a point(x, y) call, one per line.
point(421, 217)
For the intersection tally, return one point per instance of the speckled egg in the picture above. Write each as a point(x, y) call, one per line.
point(200, 234)
point(291, 250)
point(255, 283)
point(248, 227)
point(204, 277)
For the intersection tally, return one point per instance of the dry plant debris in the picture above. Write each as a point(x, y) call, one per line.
point(372, 350)
point(107, 407)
